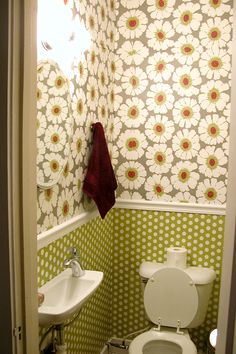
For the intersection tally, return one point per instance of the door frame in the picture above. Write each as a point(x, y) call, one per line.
point(21, 183)
point(227, 305)
point(21, 157)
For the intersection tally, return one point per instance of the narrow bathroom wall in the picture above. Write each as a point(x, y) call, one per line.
point(144, 236)
point(171, 143)
point(91, 100)
point(171, 131)
point(95, 243)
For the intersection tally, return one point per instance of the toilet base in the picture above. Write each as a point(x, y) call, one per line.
point(165, 341)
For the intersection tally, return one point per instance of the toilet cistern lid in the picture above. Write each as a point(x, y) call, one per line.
point(171, 298)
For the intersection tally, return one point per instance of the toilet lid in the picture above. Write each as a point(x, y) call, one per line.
point(170, 296)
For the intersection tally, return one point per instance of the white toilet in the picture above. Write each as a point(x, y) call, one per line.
point(174, 299)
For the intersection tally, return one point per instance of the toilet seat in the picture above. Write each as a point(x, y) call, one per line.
point(173, 339)
point(171, 298)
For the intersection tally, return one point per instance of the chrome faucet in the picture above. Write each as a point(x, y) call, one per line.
point(73, 263)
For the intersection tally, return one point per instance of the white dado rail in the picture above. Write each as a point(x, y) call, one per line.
point(63, 229)
point(46, 237)
point(174, 207)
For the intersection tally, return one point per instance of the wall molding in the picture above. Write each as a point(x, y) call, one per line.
point(49, 236)
point(174, 207)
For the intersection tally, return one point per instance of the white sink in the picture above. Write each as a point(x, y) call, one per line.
point(64, 295)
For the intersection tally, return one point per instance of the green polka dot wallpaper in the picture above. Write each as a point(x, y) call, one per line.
point(117, 246)
point(95, 244)
point(144, 236)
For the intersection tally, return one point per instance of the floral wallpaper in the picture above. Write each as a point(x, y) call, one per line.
point(54, 122)
point(92, 99)
point(173, 72)
point(157, 76)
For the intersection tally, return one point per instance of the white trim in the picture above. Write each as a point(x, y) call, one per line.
point(27, 159)
point(49, 236)
point(226, 314)
point(46, 237)
point(175, 207)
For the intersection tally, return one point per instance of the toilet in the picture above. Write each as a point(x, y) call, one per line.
point(175, 299)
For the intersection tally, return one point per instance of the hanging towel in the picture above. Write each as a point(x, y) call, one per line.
point(100, 182)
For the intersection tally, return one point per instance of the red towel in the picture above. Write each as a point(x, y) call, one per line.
point(100, 182)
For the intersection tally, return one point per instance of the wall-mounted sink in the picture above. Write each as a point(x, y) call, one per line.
point(64, 295)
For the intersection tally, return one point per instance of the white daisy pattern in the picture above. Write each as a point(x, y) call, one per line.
point(184, 176)
point(55, 138)
point(115, 66)
point(42, 95)
point(92, 60)
point(186, 144)
point(78, 145)
point(215, 7)
point(158, 188)
point(160, 35)
point(213, 129)
point(132, 144)
point(160, 9)
point(215, 63)
point(213, 96)
point(102, 78)
point(211, 161)
point(65, 205)
point(159, 129)
point(114, 97)
point(186, 81)
point(57, 110)
point(133, 112)
point(41, 123)
point(134, 81)
point(159, 158)
point(54, 123)
point(186, 112)
point(92, 93)
point(79, 106)
point(215, 33)
point(80, 71)
point(57, 82)
point(92, 21)
point(52, 166)
point(133, 52)
point(187, 18)
point(160, 98)
point(160, 67)
point(48, 199)
point(211, 191)
point(132, 24)
point(131, 175)
point(187, 49)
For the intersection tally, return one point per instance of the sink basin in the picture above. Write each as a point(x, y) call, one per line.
point(64, 295)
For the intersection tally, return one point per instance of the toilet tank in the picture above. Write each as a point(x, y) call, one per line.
point(202, 278)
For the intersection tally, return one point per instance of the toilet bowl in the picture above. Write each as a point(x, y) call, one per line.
point(174, 300)
point(162, 342)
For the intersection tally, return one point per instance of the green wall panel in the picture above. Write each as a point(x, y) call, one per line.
point(145, 235)
point(95, 244)
point(117, 246)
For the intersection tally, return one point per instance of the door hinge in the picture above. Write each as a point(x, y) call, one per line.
point(17, 332)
